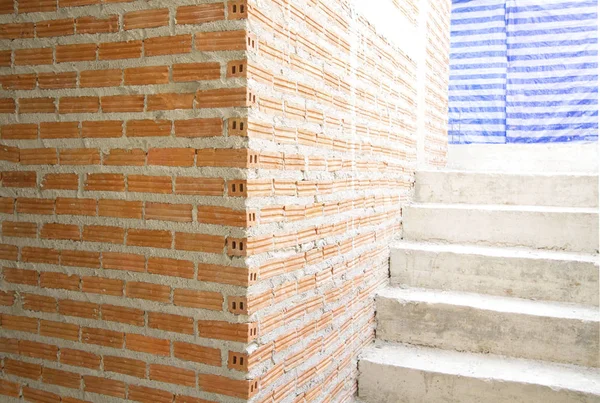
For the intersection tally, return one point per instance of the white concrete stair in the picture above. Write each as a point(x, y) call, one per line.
point(391, 373)
point(490, 324)
point(555, 228)
point(559, 190)
point(511, 272)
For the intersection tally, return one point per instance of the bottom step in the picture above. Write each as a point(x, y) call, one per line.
point(396, 373)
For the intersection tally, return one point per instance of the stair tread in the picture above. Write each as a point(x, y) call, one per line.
point(497, 251)
point(494, 303)
point(505, 207)
point(484, 366)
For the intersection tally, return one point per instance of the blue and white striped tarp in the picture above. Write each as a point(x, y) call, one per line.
point(523, 71)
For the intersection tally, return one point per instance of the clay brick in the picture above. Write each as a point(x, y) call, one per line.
point(196, 353)
point(78, 105)
point(168, 45)
point(9, 252)
point(221, 40)
point(147, 75)
point(122, 314)
point(59, 330)
point(237, 68)
point(19, 323)
point(169, 374)
point(48, 28)
point(79, 156)
point(120, 50)
point(22, 369)
point(183, 72)
point(199, 242)
point(199, 186)
point(149, 184)
point(23, 131)
point(35, 349)
point(126, 366)
point(39, 255)
point(105, 182)
point(149, 238)
point(10, 346)
point(237, 9)
point(120, 208)
point(103, 386)
point(8, 388)
point(18, 81)
point(94, 25)
point(77, 3)
point(80, 258)
point(59, 281)
point(198, 299)
point(225, 216)
point(57, 80)
point(100, 285)
point(123, 103)
point(201, 13)
point(79, 358)
point(100, 78)
point(22, 179)
point(148, 128)
point(20, 276)
point(223, 98)
point(7, 205)
point(31, 57)
point(39, 396)
point(122, 157)
point(10, 154)
point(242, 332)
point(31, 6)
point(81, 309)
point(82, 52)
point(192, 128)
point(150, 345)
point(146, 19)
point(102, 129)
point(17, 30)
point(100, 233)
point(35, 206)
point(149, 395)
point(60, 181)
point(168, 212)
point(171, 323)
point(5, 58)
point(62, 378)
point(102, 337)
point(174, 157)
point(171, 267)
point(244, 389)
point(75, 206)
point(7, 298)
point(19, 229)
point(169, 102)
point(36, 105)
point(59, 130)
point(7, 105)
point(123, 261)
point(150, 291)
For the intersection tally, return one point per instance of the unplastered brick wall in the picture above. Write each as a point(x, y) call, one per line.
point(197, 196)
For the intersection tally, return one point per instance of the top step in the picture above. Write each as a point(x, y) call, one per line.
point(556, 190)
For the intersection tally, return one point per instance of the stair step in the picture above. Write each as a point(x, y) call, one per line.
point(511, 272)
point(479, 323)
point(407, 374)
point(567, 190)
point(555, 228)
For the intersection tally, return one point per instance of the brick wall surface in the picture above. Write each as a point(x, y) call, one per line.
point(198, 196)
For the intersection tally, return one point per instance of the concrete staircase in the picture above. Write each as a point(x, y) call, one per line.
point(494, 293)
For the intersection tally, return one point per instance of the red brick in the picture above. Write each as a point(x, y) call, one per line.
point(39, 303)
point(59, 330)
point(82, 52)
point(123, 103)
point(122, 157)
point(35, 206)
point(169, 102)
point(171, 323)
point(149, 395)
point(146, 344)
point(168, 212)
point(8, 252)
point(120, 50)
point(7, 105)
point(105, 182)
point(198, 299)
point(100, 78)
point(60, 231)
point(148, 128)
point(60, 181)
point(80, 309)
point(122, 314)
point(62, 378)
point(39, 255)
point(126, 366)
point(18, 81)
point(102, 129)
point(38, 56)
point(168, 45)
point(123, 261)
point(150, 291)
point(59, 130)
point(102, 233)
point(243, 389)
point(169, 374)
point(22, 369)
point(35, 349)
point(196, 71)
point(149, 184)
point(221, 40)
point(78, 105)
point(120, 208)
point(20, 276)
point(102, 337)
point(196, 353)
point(94, 25)
point(223, 98)
point(212, 127)
point(171, 267)
point(79, 358)
point(199, 186)
point(147, 75)
point(199, 242)
point(7, 298)
point(21, 179)
point(36, 105)
point(8, 388)
point(75, 206)
point(100, 285)
point(174, 157)
point(103, 386)
point(57, 80)
point(19, 229)
point(59, 281)
point(80, 258)
point(39, 396)
point(20, 323)
point(146, 19)
point(23, 131)
point(49, 28)
point(32, 6)
point(201, 13)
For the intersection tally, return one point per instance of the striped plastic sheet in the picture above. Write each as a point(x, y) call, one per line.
point(523, 71)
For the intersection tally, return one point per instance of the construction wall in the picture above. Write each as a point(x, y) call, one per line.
point(197, 199)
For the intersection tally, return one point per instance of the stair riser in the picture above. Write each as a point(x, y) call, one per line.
point(379, 383)
point(474, 188)
point(464, 328)
point(576, 232)
point(543, 279)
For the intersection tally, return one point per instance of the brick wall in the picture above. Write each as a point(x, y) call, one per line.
point(197, 198)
